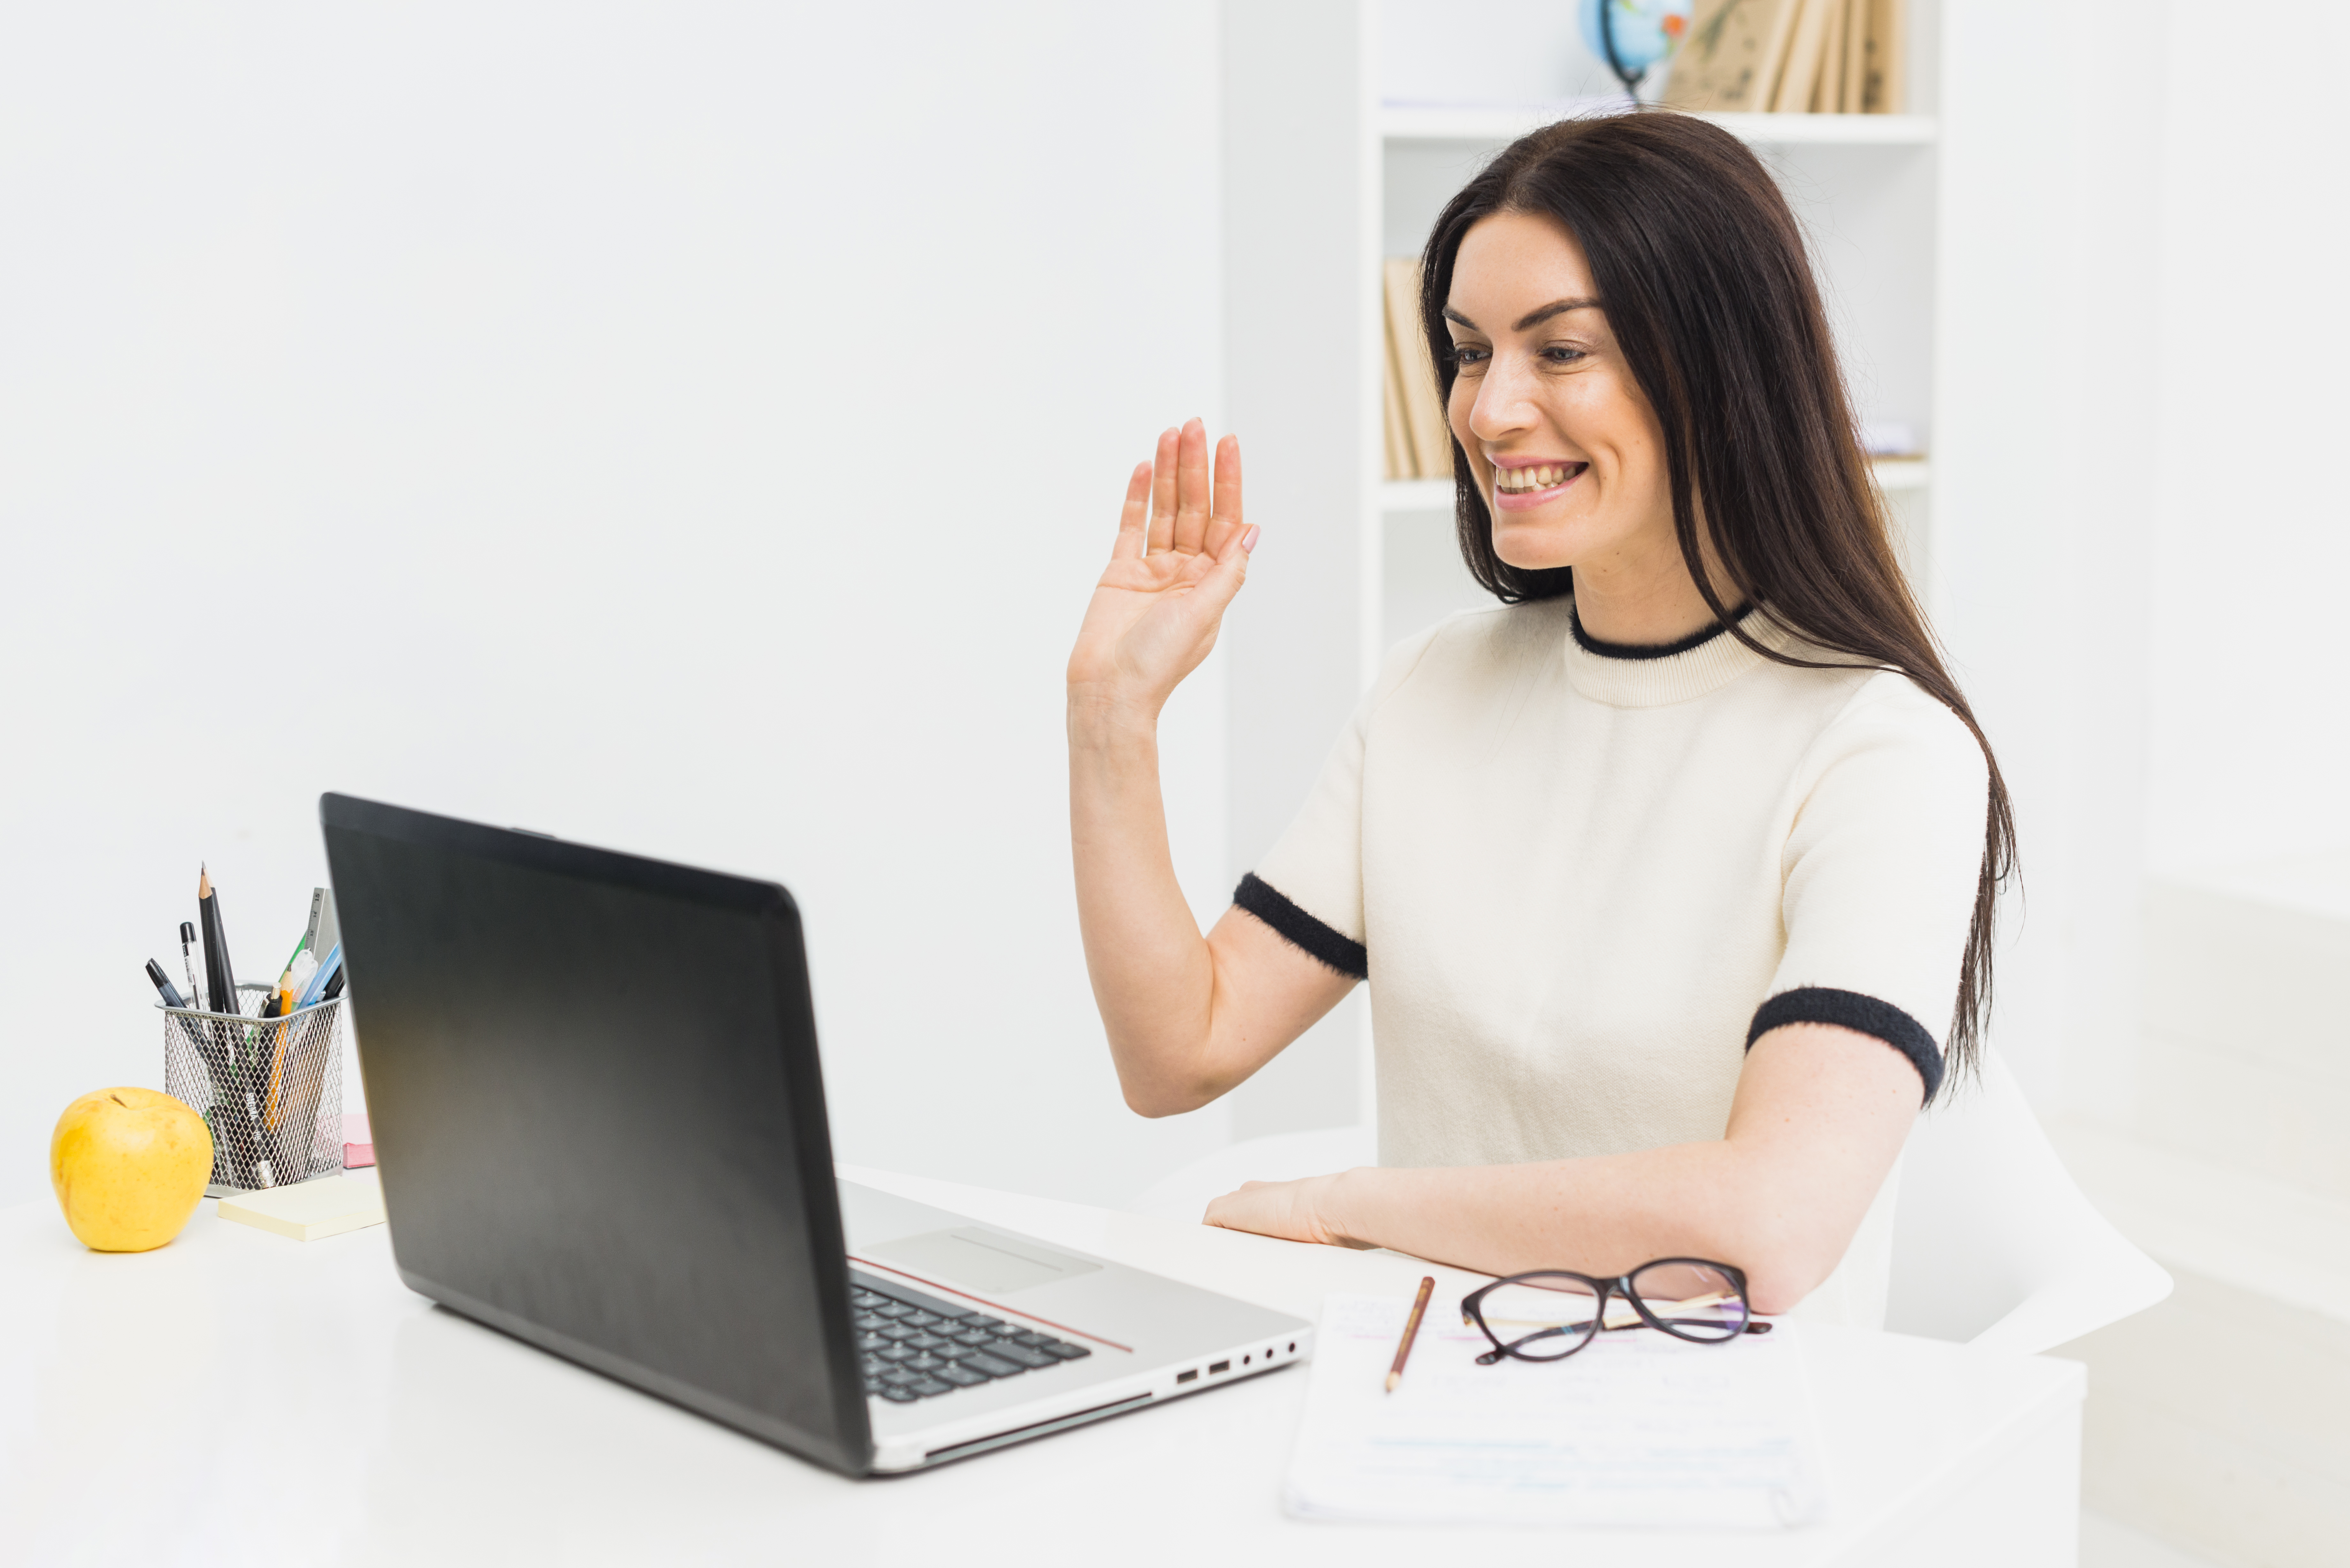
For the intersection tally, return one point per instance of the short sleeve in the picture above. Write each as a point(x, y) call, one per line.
point(1309, 885)
point(1879, 874)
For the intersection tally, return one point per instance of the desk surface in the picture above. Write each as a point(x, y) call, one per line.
point(236, 1388)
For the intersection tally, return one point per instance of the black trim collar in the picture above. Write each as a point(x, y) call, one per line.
point(1334, 949)
point(1592, 645)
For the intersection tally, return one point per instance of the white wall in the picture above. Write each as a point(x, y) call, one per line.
point(2249, 722)
point(688, 428)
point(2140, 534)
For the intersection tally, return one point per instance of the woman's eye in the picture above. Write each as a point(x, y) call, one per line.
point(1560, 354)
point(1466, 354)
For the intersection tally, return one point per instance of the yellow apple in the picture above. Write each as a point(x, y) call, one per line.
point(129, 1165)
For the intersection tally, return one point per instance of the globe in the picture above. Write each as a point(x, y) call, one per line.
point(1631, 35)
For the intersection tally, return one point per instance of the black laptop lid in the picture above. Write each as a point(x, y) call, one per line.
point(600, 1123)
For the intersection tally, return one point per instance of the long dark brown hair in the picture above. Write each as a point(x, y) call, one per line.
point(1701, 271)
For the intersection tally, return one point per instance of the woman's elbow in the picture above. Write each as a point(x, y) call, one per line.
point(1783, 1268)
point(1159, 1097)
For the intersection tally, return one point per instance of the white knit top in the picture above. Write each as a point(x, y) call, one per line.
point(1580, 883)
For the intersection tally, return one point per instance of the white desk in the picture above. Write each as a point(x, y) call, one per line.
point(154, 1408)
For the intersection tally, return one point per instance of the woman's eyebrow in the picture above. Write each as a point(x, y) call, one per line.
point(1556, 307)
point(1531, 318)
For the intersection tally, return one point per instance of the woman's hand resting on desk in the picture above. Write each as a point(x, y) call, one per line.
point(1291, 1210)
point(1181, 553)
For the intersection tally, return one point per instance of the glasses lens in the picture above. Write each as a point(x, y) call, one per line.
point(1543, 1316)
point(1695, 1301)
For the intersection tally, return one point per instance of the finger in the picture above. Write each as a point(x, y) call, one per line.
point(1223, 580)
point(1162, 493)
point(1134, 517)
point(1191, 489)
point(1224, 509)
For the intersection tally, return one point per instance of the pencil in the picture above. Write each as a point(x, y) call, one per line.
point(1411, 1329)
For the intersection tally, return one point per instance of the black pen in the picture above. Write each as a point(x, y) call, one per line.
point(171, 993)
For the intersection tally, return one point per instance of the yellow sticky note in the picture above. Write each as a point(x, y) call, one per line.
point(309, 1210)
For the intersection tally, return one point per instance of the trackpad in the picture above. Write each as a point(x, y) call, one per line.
point(982, 1259)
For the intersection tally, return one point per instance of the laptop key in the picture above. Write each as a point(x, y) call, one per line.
point(972, 1336)
point(897, 1330)
point(980, 1319)
point(898, 1377)
point(929, 1386)
point(928, 1342)
point(871, 1342)
point(1032, 1339)
point(924, 1319)
point(896, 1353)
point(925, 1362)
point(893, 1309)
point(896, 1395)
point(1020, 1354)
point(961, 1377)
point(1065, 1350)
point(979, 1361)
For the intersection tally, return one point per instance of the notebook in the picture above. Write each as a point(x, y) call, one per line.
point(1637, 1429)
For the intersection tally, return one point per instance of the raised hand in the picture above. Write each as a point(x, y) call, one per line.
point(1181, 553)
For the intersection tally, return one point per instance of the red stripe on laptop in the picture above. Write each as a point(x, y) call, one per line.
point(991, 1306)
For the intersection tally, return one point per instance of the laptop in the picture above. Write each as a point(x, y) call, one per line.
point(600, 1123)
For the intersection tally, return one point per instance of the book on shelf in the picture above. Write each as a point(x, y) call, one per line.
point(1419, 440)
point(1790, 56)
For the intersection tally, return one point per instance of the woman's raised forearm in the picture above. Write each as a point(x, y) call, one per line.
point(1152, 973)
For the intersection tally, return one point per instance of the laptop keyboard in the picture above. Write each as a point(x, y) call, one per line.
point(909, 1352)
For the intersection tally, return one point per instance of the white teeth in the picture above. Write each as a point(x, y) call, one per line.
point(1542, 476)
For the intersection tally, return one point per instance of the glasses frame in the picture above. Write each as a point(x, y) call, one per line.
point(1472, 1309)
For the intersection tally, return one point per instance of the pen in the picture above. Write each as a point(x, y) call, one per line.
point(171, 993)
point(188, 962)
point(1410, 1330)
point(329, 968)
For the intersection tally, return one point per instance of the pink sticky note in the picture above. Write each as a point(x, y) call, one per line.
point(358, 1143)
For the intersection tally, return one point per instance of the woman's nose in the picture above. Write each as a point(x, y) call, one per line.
point(1504, 404)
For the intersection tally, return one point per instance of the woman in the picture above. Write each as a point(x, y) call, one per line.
point(1673, 876)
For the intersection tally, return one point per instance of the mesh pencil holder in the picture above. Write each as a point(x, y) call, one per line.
point(271, 1090)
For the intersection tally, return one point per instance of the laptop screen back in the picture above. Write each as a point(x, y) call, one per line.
point(598, 1113)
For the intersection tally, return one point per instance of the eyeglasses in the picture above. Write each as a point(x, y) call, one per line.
point(1551, 1313)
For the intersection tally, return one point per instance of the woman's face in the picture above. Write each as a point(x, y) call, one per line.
point(1563, 445)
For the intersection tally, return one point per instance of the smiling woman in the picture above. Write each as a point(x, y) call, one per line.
point(1673, 876)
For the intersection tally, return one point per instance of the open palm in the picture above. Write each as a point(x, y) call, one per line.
point(1181, 553)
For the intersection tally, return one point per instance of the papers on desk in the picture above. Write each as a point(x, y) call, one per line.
point(1639, 1428)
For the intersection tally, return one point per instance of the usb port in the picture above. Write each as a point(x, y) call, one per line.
point(1216, 1366)
point(1191, 1377)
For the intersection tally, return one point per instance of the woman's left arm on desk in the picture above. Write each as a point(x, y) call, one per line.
point(1820, 1113)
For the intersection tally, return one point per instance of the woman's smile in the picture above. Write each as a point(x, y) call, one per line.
point(1520, 485)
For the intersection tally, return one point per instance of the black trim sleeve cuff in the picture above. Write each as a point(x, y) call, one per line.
point(1334, 949)
point(1862, 1015)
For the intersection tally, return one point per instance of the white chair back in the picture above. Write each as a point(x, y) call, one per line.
point(1993, 1243)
